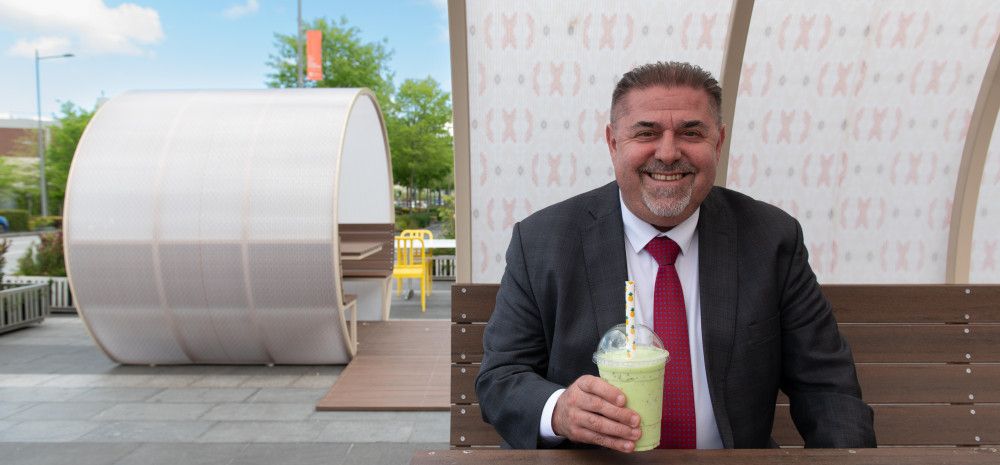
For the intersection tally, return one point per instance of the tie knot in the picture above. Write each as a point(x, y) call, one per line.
point(664, 250)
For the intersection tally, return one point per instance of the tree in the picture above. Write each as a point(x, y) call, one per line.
point(19, 173)
point(65, 135)
point(347, 60)
point(418, 136)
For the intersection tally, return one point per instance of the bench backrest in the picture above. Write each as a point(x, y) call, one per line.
point(377, 265)
point(928, 360)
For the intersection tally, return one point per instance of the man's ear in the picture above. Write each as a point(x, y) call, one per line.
point(609, 135)
point(722, 140)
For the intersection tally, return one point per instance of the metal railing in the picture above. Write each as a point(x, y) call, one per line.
point(444, 267)
point(60, 295)
point(22, 305)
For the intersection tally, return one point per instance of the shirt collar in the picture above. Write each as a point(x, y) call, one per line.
point(639, 232)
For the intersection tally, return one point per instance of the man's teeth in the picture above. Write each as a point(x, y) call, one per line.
point(665, 177)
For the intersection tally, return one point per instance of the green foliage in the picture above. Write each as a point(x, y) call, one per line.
point(19, 175)
point(347, 60)
point(19, 182)
point(59, 154)
point(36, 223)
point(4, 245)
point(412, 220)
point(46, 259)
point(418, 136)
point(18, 219)
point(446, 215)
point(416, 115)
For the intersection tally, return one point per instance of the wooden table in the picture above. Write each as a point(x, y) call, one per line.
point(356, 250)
point(887, 456)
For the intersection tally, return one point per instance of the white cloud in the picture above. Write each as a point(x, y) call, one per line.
point(47, 45)
point(86, 26)
point(238, 11)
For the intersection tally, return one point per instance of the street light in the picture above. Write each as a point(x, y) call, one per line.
point(41, 137)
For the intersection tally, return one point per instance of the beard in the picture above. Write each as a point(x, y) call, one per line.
point(667, 201)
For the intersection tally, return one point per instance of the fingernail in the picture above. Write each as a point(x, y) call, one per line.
point(635, 421)
point(620, 400)
point(629, 446)
point(636, 433)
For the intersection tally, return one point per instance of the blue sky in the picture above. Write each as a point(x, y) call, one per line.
point(188, 44)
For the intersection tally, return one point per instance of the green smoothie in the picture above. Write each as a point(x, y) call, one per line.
point(641, 379)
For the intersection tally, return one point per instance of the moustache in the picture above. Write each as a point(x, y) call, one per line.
point(658, 166)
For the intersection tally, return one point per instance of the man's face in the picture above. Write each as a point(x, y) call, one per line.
point(665, 145)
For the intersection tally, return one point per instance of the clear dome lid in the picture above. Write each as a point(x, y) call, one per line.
point(614, 342)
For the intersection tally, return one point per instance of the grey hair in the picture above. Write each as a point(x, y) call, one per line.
point(667, 74)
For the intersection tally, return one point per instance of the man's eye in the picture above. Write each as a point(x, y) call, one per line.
point(692, 134)
point(644, 134)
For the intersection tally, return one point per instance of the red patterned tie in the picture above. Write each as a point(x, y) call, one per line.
point(678, 429)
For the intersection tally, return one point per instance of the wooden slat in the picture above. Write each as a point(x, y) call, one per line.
point(468, 427)
point(923, 343)
point(944, 303)
point(377, 265)
point(916, 425)
point(467, 343)
point(472, 303)
point(463, 383)
point(890, 456)
point(926, 383)
point(401, 365)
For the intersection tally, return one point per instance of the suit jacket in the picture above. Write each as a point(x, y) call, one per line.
point(766, 325)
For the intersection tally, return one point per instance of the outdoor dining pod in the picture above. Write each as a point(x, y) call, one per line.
point(203, 226)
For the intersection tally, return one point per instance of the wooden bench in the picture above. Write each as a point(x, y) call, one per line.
point(369, 276)
point(928, 360)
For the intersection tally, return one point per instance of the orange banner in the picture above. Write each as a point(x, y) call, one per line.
point(314, 55)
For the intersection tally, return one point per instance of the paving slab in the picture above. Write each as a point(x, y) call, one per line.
point(47, 430)
point(366, 431)
point(285, 395)
point(154, 412)
point(390, 454)
point(298, 454)
point(263, 431)
point(147, 431)
point(186, 454)
point(10, 408)
point(116, 394)
point(197, 395)
point(63, 453)
point(259, 412)
point(61, 411)
point(39, 394)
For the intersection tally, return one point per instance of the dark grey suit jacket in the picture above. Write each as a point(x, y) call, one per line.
point(766, 324)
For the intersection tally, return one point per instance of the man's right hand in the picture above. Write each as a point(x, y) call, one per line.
point(592, 411)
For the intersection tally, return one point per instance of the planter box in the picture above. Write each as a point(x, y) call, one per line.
point(23, 305)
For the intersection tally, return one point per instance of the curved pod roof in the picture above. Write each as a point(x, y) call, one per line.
point(202, 226)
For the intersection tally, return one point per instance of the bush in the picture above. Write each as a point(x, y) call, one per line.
point(46, 259)
point(446, 215)
point(4, 245)
point(44, 222)
point(414, 220)
point(18, 219)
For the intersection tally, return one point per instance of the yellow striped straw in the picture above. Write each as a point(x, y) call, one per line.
point(630, 346)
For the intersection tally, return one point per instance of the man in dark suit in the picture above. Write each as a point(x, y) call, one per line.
point(745, 300)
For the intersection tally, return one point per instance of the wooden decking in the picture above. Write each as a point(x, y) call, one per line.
point(400, 366)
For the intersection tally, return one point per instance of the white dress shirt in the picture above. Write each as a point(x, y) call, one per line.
point(642, 269)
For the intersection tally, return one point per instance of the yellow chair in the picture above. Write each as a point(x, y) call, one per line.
point(428, 254)
point(410, 263)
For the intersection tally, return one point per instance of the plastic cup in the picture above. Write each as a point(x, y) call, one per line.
point(639, 377)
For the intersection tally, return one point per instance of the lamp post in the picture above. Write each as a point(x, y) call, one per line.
point(41, 136)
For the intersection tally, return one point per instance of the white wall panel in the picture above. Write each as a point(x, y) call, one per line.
point(852, 117)
point(540, 82)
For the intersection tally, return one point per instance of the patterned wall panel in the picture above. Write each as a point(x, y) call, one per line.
point(985, 266)
point(540, 81)
point(852, 116)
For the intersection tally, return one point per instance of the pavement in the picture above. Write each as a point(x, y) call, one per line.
point(62, 401)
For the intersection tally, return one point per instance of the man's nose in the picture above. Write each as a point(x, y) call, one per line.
point(667, 151)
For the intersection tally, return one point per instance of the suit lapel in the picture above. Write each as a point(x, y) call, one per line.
point(604, 256)
point(717, 275)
